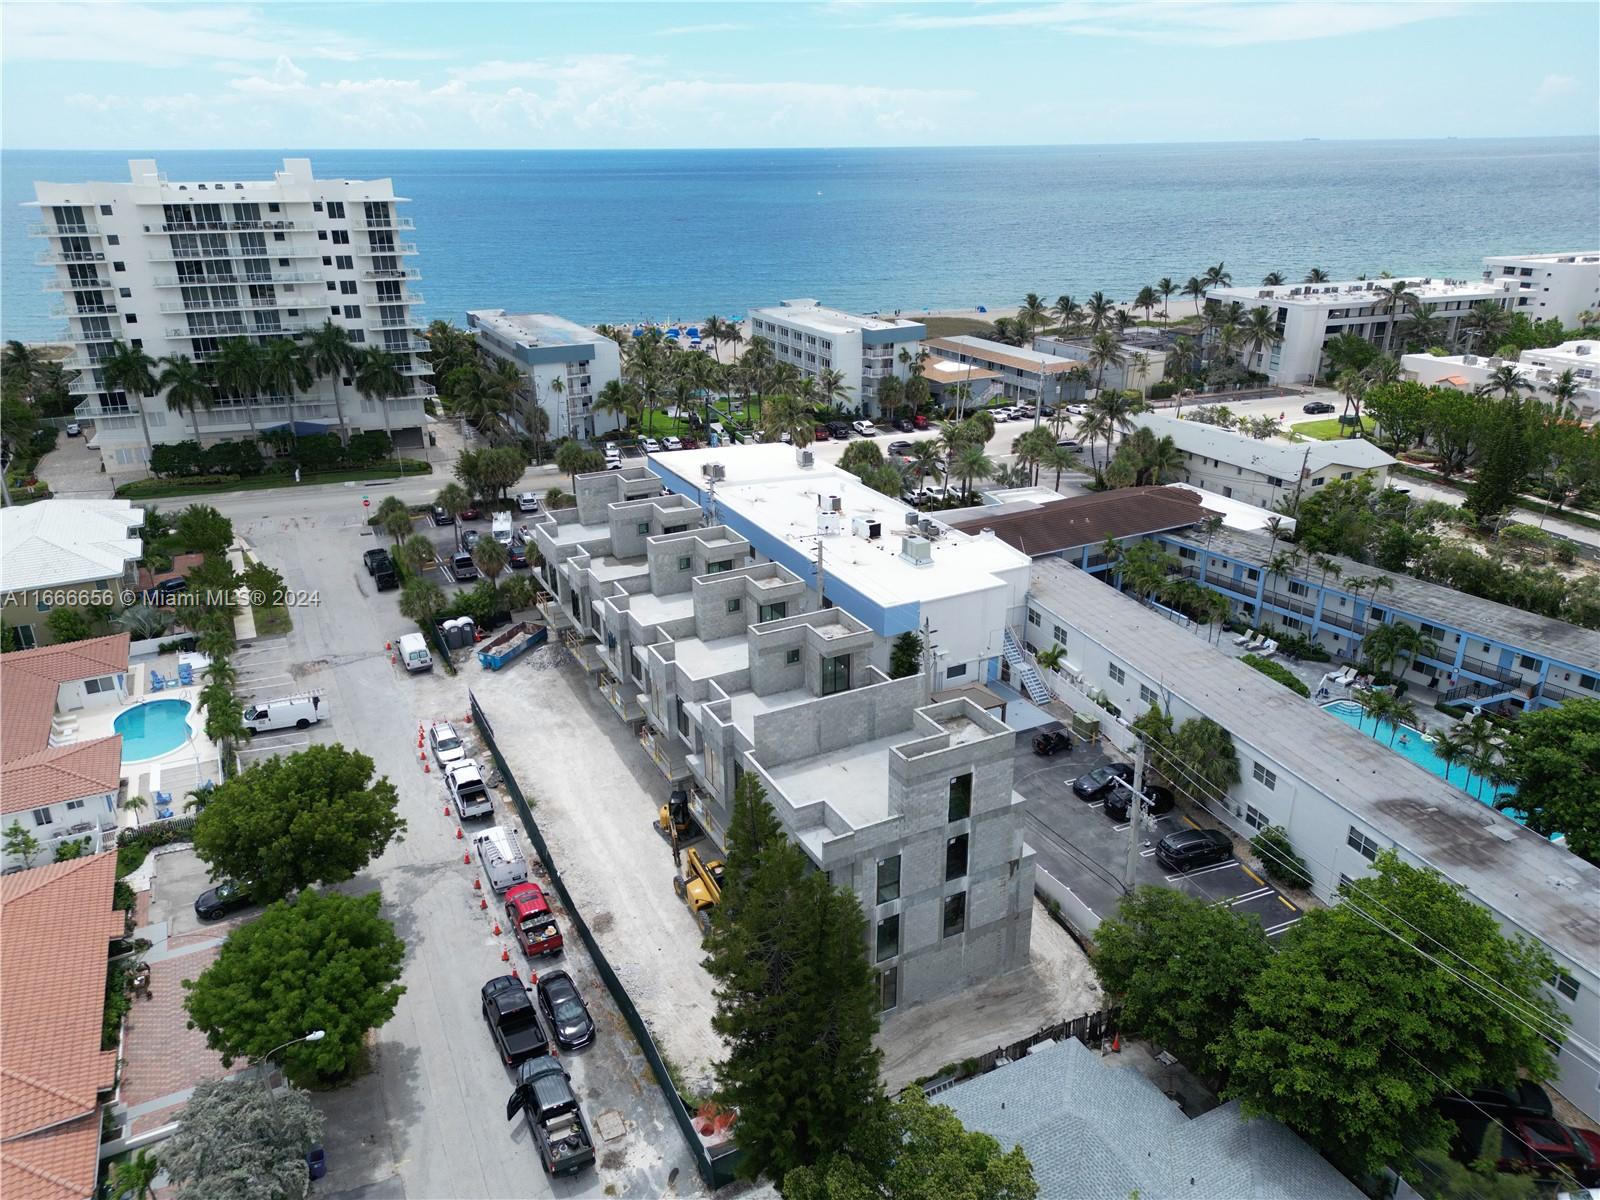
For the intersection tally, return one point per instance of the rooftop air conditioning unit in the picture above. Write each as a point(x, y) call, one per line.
point(912, 518)
point(831, 503)
point(917, 551)
point(713, 471)
point(806, 459)
point(866, 527)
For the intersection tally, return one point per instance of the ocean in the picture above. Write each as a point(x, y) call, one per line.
point(666, 235)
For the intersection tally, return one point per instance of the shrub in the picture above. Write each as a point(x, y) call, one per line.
point(1278, 672)
point(368, 447)
point(178, 458)
point(1295, 646)
point(159, 833)
point(1163, 389)
point(1277, 856)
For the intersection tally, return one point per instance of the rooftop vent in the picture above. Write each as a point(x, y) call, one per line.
point(806, 459)
point(866, 527)
point(917, 551)
point(830, 503)
point(714, 471)
point(912, 517)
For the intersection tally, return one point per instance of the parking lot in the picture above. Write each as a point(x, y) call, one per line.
point(1085, 852)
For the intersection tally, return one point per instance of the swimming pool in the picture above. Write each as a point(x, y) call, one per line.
point(1418, 747)
point(153, 729)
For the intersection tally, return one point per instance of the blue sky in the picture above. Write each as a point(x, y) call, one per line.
point(524, 75)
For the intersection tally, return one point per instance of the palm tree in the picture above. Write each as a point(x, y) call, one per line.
point(925, 459)
point(714, 330)
point(21, 360)
point(188, 389)
point(1352, 386)
point(490, 557)
point(1146, 299)
point(973, 464)
point(1033, 313)
point(421, 600)
point(1217, 276)
point(394, 518)
point(1110, 413)
point(831, 387)
point(1058, 459)
point(618, 398)
point(1316, 275)
point(135, 1178)
point(1564, 389)
point(1162, 460)
point(1166, 287)
point(788, 414)
point(129, 369)
point(1273, 279)
point(378, 378)
point(284, 370)
point(1396, 299)
point(1423, 328)
point(1506, 380)
point(1483, 325)
point(1260, 331)
point(1099, 310)
point(237, 371)
point(331, 353)
point(1103, 352)
point(1195, 289)
point(1066, 310)
point(1452, 746)
point(416, 554)
point(455, 500)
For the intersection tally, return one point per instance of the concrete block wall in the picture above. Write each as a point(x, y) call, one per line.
point(598, 489)
point(831, 723)
point(634, 522)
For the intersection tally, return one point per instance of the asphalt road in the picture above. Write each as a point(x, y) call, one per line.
point(1087, 852)
point(428, 1120)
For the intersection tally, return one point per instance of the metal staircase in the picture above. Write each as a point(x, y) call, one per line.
point(1024, 671)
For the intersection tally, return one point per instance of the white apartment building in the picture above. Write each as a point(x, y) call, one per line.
point(1341, 795)
point(1142, 367)
point(180, 268)
point(1311, 315)
point(1019, 373)
point(865, 350)
point(564, 365)
point(1549, 285)
point(1265, 472)
point(1539, 369)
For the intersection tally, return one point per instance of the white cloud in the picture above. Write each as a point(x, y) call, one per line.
point(1555, 87)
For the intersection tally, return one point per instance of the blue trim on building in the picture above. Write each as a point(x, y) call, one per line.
point(888, 337)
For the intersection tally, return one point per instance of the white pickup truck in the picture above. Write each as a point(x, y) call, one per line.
point(468, 791)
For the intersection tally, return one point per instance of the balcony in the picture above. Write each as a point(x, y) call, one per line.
point(82, 310)
point(239, 277)
point(290, 328)
point(55, 258)
point(186, 306)
point(405, 273)
point(58, 284)
point(415, 346)
point(621, 697)
point(391, 323)
point(50, 229)
point(207, 254)
point(217, 226)
point(382, 223)
point(397, 248)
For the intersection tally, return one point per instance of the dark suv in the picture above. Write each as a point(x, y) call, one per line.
point(1158, 802)
point(1191, 848)
point(839, 430)
point(1100, 781)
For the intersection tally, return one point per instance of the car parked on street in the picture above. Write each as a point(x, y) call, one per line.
point(1100, 781)
point(1158, 802)
point(564, 1010)
point(864, 428)
point(671, 442)
point(1524, 1098)
point(839, 430)
point(73, 429)
point(532, 923)
point(217, 902)
point(903, 425)
point(1317, 406)
point(513, 1021)
point(900, 449)
point(1056, 741)
point(821, 434)
point(472, 513)
point(1191, 848)
point(470, 538)
point(445, 744)
point(517, 555)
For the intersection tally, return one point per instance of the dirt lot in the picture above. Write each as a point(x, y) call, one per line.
point(595, 794)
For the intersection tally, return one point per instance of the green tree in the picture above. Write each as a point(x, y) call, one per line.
point(187, 387)
point(861, 456)
point(1210, 762)
point(21, 843)
point(323, 960)
point(1553, 754)
point(1179, 967)
point(421, 600)
point(284, 823)
point(1503, 463)
point(331, 353)
point(203, 530)
point(377, 376)
point(134, 1178)
point(224, 715)
point(1439, 1177)
point(490, 557)
point(905, 657)
point(240, 1140)
point(796, 998)
point(394, 518)
point(67, 625)
point(927, 1154)
point(1362, 1020)
point(573, 458)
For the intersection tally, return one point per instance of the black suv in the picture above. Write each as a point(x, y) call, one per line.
point(1057, 741)
point(1158, 802)
point(839, 430)
point(1101, 780)
point(1191, 848)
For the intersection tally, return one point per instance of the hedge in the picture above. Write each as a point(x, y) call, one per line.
point(1277, 671)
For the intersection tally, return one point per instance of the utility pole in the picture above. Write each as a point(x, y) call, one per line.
point(821, 602)
point(1135, 811)
point(1299, 483)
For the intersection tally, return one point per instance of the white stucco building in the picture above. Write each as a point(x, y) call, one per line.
point(1311, 315)
point(1549, 285)
point(1142, 366)
point(181, 268)
point(1030, 376)
point(865, 350)
point(1539, 369)
point(564, 365)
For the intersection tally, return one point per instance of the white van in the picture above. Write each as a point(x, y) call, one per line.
point(501, 529)
point(290, 712)
point(414, 654)
point(501, 858)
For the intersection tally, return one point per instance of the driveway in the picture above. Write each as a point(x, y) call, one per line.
point(1084, 853)
point(73, 471)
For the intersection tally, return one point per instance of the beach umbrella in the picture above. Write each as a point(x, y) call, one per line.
point(673, 332)
point(638, 331)
point(694, 332)
point(982, 309)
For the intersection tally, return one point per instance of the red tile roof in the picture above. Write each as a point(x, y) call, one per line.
point(60, 773)
point(1088, 520)
point(56, 923)
point(30, 680)
point(181, 566)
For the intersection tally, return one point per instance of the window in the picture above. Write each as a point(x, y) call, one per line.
point(955, 857)
point(341, 237)
point(43, 816)
point(888, 879)
point(684, 562)
point(1565, 984)
point(333, 287)
point(1296, 588)
point(956, 672)
point(95, 686)
point(955, 914)
point(773, 612)
point(888, 937)
point(1529, 663)
point(1362, 844)
point(322, 235)
point(1266, 778)
point(327, 260)
point(1255, 818)
point(347, 287)
point(1318, 481)
point(116, 266)
point(131, 318)
point(735, 603)
point(1117, 674)
point(336, 209)
point(682, 715)
point(1059, 634)
point(642, 528)
point(74, 804)
point(960, 797)
point(113, 240)
point(888, 989)
point(1147, 695)
point(352, 311)
point(836, 674)
point(1034, 618)
point(105, 210)
point(344, 262)
point(125, 293)
point(719, 567)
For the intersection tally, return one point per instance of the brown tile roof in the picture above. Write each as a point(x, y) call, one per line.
point(56, 923)
point(60, 773)
point(1020, 362)
point(181, 566)
point(30, 679)
point(1088, 520)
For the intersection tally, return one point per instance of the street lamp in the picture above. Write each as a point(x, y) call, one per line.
point(316, 1035)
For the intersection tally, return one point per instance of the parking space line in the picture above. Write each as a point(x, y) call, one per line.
point(1190, 823)
point(1253, 875)
point(1248, 896)
point(1281, 927)
point(1147, 853)
point(1203, 871)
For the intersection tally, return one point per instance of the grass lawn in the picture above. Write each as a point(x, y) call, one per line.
point(952, 326)
point(144, 489)
point(1330, 430)
point(271, 619)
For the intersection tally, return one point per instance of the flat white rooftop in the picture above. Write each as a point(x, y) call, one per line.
point(705, 660)
point(764, 485)
point(1363, 291)
point(1571, 256)
point(853, 781)
point(1236, 514)
point(649, 609)
point(534, 329)
point(1021, 357)
point(816, 316)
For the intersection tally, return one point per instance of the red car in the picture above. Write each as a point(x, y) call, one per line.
point(920, 421)
point(471, 514)
point(532, 921)
point(690, 443)
point(821, 434)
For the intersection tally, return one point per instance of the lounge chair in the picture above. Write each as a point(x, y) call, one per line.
point(1346, 677)
point(1268, 649)
point(1259, 641)
point(185, 675)
point(1245, 638)
point(157, 683)
point(164, 813)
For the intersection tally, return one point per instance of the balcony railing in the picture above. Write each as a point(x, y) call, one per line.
point(202, 253)
point(75, 285)
point(180, 306)
point(51, 229)
point(82, 310)
point(288, 327)
point(391, 323)
point(52, 258)
point(398, 273)
point(240, 277)
point(216, 226)
point(397, 248)
point(382, 223)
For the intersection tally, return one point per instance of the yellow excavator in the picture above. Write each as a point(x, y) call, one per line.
point(675, 818)
point(700, 885)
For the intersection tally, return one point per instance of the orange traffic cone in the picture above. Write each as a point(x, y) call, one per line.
point(482, 903)
point(497, 929)
point(460, 836)
point(505, 955)
point(477, 885)
point(514, 975)
point(447, 810)
point(426, 769)
point(1116, 1043)
point(466, 858)
point(423, 757)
